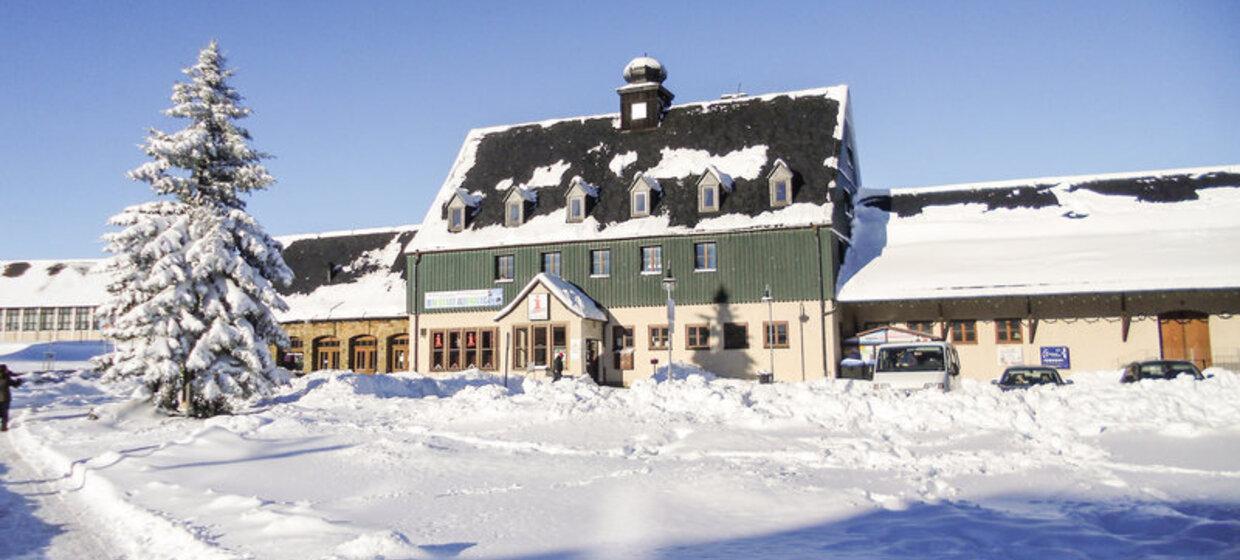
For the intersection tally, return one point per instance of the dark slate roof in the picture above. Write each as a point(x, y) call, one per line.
point(742, 137)
point(1040, 193)
point(1131, 232)
point(350, 274)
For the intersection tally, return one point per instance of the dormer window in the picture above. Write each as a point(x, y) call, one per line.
point(576, 208)
point(512, 218)
point(641, 195)
point(456, 219)
point(578, 197)
point(711, 187)
point(458, 209)
point(515, 205)
point(780, 183)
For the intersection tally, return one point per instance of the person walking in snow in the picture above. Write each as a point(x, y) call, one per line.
point(7, 380)
point(557, 367)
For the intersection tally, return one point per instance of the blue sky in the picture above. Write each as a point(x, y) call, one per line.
point(364, 104)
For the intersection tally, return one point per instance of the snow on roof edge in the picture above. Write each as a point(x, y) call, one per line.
point(286, 239)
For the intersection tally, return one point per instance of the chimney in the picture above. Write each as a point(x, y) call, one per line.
point(643, 99)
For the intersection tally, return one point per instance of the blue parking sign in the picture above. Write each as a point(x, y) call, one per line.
point(1057, 357)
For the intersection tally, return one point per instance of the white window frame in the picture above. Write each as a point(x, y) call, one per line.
point(781, 173)
point(594, 262)
point(500, 270)
point(638, 111)
point(645, 198)
point(713, 256)
point(509, 219)
point(658, 253)
point(576, 208)
point(558, 258)
point(456, 218)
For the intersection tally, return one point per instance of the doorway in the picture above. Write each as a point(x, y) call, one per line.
point(326, 353)
point(364, 351)
point(398, 353)
point(1185, 335)
point(594, 349)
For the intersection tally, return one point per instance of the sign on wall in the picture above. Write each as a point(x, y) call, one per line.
point(1011, 356)
point(1057, 357)
point(538, 308)
point(463, 298)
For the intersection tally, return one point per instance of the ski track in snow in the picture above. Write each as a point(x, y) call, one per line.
point(348, 466)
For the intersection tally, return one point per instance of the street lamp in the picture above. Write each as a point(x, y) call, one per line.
point(669, 284)
point(770, 329)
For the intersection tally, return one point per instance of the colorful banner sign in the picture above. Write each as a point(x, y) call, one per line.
point(463, 298)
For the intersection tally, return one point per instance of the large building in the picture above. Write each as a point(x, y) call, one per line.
point(347, 302)
point(557, 237)
point(49, 301)
point(1083, 273)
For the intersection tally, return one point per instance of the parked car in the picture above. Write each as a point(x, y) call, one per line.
point(1022, 377)
point(917, 365)
point(1160, 369)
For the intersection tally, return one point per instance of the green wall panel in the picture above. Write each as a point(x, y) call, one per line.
point(747, 261)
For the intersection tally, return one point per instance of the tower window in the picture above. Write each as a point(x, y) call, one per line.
point(637, 111)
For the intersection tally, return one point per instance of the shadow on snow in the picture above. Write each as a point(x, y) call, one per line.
point(22, 533)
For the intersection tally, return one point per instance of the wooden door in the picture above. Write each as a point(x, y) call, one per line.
point(326, 353)
point(398, 353)
point(1186, 336)
point(364, 354)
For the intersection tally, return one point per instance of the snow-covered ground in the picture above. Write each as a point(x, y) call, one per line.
point(352, 466)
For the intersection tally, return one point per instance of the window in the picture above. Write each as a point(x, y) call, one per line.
point(64, 319)
point(708, 199)
point(964, 332)
point(780, 181)
point(10, 320)
point(697, 337)
point(926, 327)
point(30, 319)
point(704, 256)
point(735, 336)
point(600, 262)
point(513, 217)
point(539, 347)
point(47, 319)
point(637, 111)
point(652, 260)
point(551, 263)
point(456, 219)
point(520, 347)
point(505, 268)
point(576, 209)
point(658, 337)
point(622, 346)
point(83, 320)
point(452, 350)
point(775, 335)
point(1007, 331)
point(639, 204)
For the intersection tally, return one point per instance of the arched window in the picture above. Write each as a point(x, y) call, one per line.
point(326, 353)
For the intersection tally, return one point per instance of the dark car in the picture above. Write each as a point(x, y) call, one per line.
point(1022, 377)
point(1160, 369)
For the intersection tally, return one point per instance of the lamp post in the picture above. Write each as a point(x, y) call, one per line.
point(669, 284)
point(770, 329)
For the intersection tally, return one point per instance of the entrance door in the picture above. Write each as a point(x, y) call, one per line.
point(326, 353)
point(364, 351)
point(594, 349)
point(398, 353)
point(1186, 336)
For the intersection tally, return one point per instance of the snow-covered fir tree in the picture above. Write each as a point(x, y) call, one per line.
point(193, 275)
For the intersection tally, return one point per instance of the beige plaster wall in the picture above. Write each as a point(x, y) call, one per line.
point(801, 360)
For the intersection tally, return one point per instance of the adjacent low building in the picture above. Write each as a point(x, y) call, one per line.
point(559, 237)
point(347, 302)
point(46, 301)
point(1082, 273)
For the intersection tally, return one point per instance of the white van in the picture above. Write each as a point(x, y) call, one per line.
point(917, 365)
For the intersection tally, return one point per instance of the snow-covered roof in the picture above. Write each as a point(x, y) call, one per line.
point(1126, 232)
point(571, 296)
point(741, 138)
point(346, 274)
point(50, 283)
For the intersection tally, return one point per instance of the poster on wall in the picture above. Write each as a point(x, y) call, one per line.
point(1057, 357)
point(538, 308)
point(1011, 356)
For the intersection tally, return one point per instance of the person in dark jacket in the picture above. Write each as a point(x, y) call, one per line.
point(7, 380)
point(557, 367)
